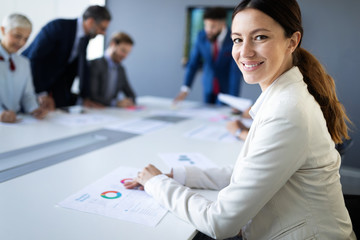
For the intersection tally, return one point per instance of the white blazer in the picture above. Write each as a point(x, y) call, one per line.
point(285, 183)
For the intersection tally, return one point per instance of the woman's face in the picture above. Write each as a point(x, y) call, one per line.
point(14, 39)
point(261, 50)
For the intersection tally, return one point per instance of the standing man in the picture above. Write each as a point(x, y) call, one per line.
point(58, 55)
point(212, 51)
point(108, 78)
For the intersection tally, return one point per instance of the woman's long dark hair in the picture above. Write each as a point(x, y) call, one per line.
point(320, 84)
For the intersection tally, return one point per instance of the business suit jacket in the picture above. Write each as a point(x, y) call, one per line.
point(285, 183)
point(99, 80)
point(49, 54)
point(224, 68)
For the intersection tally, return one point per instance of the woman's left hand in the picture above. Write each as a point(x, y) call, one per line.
point(143, 176)
point(232, 126)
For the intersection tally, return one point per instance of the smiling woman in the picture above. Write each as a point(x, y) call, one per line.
point(285, 183)
point(261, 50)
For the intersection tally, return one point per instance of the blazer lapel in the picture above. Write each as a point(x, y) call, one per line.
point(71, 38)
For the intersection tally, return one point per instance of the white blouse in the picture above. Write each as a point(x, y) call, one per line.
point(285, 183)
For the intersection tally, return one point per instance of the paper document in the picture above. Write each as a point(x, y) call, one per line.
point(108, 197)
point(139, 126)
point(201, 112)
point(187, 159)
point(77, 120)
point(21, 120)
point(211, 133)
point(247, 122)
point(241, 104)
point(212, 114)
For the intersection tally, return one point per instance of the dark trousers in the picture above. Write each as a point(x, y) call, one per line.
point(61, 89)
point(211, 98)
point(352, 203)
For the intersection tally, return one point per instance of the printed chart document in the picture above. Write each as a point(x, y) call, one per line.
point(187, 159)
point(139, 126)
point(211, 133)
point(241, 104)
point(110, 198)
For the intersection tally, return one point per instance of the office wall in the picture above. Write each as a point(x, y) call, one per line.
point(158, 27)
point(42, 11)
point(332, 33)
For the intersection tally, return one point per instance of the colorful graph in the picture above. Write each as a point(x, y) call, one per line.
point(110, 194)
point(126, 180)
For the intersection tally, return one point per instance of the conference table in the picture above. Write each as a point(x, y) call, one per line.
point(68, 156)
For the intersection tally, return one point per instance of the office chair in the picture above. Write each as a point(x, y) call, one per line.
point(352, 203)
point(343, 147)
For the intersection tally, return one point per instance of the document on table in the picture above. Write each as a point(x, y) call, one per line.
point(241, 104)
point(187, 159)
point(139, 126)
point(86, 119)
point(21, 120)
point(212, 114)
point(211, 133)
point(108, 197)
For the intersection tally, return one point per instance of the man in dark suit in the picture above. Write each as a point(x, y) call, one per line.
point(108, 78)
point(58, 55)
point(212, 52)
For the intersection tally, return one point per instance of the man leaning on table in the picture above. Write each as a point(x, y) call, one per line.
point(108, 80)
point(58, 55)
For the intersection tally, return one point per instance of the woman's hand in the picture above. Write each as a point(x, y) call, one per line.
point(234, 126)
point(144, 176)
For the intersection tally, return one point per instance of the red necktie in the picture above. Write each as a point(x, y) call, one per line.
point(12, 65)
point(216, 86)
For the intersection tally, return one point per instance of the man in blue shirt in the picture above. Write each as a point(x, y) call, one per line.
point(212, 51)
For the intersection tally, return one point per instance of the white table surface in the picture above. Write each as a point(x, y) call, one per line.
point(28, 203)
